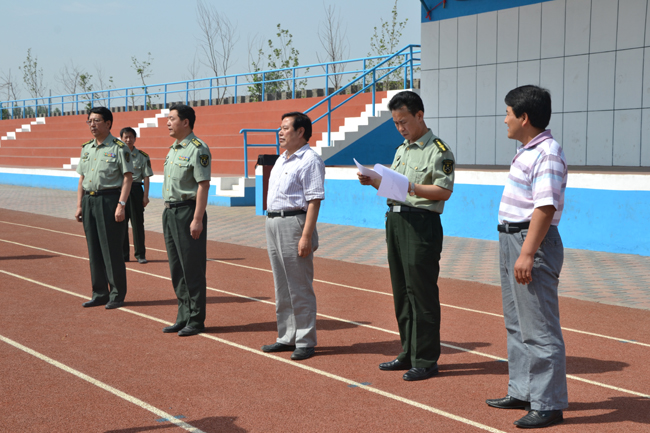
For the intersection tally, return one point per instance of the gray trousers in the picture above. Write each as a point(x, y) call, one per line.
point(295, 301)
point(536, 354)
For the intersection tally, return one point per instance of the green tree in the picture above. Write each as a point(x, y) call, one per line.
point(384, 42)
point(143, 69)
point(33, 76)
point(86, 86)
point(285, 55)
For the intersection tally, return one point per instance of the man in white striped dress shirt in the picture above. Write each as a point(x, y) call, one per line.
point(296, 188)
point(531, 256)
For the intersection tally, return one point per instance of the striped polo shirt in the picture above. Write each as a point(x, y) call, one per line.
point(538, 176)
point(296, 180)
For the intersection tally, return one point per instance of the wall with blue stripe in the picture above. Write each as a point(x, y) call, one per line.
point(461, 8)
point(593, 219)
point(614, 221)
point(155, 190)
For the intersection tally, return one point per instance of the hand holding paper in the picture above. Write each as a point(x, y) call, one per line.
point(393, 184)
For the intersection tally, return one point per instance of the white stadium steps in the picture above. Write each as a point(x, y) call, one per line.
point(23, 128)
point(355, 127)
point(149, 122)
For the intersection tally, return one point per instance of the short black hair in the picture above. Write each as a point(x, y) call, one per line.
point(102, 111)
point(185, 112)
point(300, 120)
point(532, 100)
point(128, 130)
point(408, 99)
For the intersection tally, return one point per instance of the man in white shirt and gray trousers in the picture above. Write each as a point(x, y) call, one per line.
point(296, 188)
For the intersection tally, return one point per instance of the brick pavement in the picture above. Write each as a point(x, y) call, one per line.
point(616, 279)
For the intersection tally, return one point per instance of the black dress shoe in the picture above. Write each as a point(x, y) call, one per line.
point(189, 330)
point(302, 353)
point(114, 304)
point(508, 402)
point(540, 419)
point(395, 365)
point(94, 303)
point(278, 347)
point(419, 373)
point(174, 328)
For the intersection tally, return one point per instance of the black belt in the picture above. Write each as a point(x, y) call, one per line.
point(103, 192)
point(137, 183)
point(173, 204)
point(402, 208)
point(513, 227)
point(285, 213)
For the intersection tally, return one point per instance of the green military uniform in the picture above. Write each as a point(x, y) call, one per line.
point(103, 166)
point(134, 207)
point(188, 163)
point(414, 241)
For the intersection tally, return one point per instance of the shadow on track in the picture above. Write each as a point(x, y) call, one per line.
point(28, 257)
point(617, 410)
point(209, 300)
point(214, 424)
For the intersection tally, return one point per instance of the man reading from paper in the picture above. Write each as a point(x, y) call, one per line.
point(414, 237)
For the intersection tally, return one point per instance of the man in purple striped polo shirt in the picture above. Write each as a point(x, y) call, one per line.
point(531, 256)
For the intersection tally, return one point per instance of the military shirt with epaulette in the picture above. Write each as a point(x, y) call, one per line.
point(141, 165)
point(103, 165)
point(188, 163)
point(428, 161)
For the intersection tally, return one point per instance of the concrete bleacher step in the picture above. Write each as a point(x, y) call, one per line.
point(149, 122)
point(11, 135)
point(355, 127)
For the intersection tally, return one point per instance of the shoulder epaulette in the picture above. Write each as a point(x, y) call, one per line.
point(118, 142)
point(399, 146)
point(440, 144)
point(196, 142)
point(144, 154)
point(87, 142)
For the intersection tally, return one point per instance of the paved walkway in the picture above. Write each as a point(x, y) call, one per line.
point(616, 279)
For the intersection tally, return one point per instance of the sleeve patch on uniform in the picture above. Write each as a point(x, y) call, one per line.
point(196, 142)
point(118, 142)
point(205, 160)
point(149, 163)
point(127, 156)
point(448, 166)
point(441, 146)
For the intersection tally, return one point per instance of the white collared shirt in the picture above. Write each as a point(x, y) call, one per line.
point(538, 177)
point(296, 180)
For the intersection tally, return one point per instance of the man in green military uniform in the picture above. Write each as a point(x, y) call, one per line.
point(105, 171)
point(138, 198)
point(185, 191)
point(414, 237)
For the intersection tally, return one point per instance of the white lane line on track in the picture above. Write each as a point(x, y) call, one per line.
point(237, 346)
point(133, 400)
point(388, 331)
point(471, 310)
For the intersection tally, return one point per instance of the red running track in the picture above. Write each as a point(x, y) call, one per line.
point(66, 368)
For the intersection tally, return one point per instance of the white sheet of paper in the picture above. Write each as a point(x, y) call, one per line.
point(367, 171)
point(393, 184)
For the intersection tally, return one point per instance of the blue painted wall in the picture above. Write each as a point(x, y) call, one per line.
point(376, 147)
point(461, 8)
point(598, 220)
point(587, 223)
point(155, 189)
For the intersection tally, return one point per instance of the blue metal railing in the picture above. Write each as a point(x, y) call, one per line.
point(255, 85)
point(408, 64)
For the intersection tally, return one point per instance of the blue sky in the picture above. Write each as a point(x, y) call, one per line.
point(109, 33)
